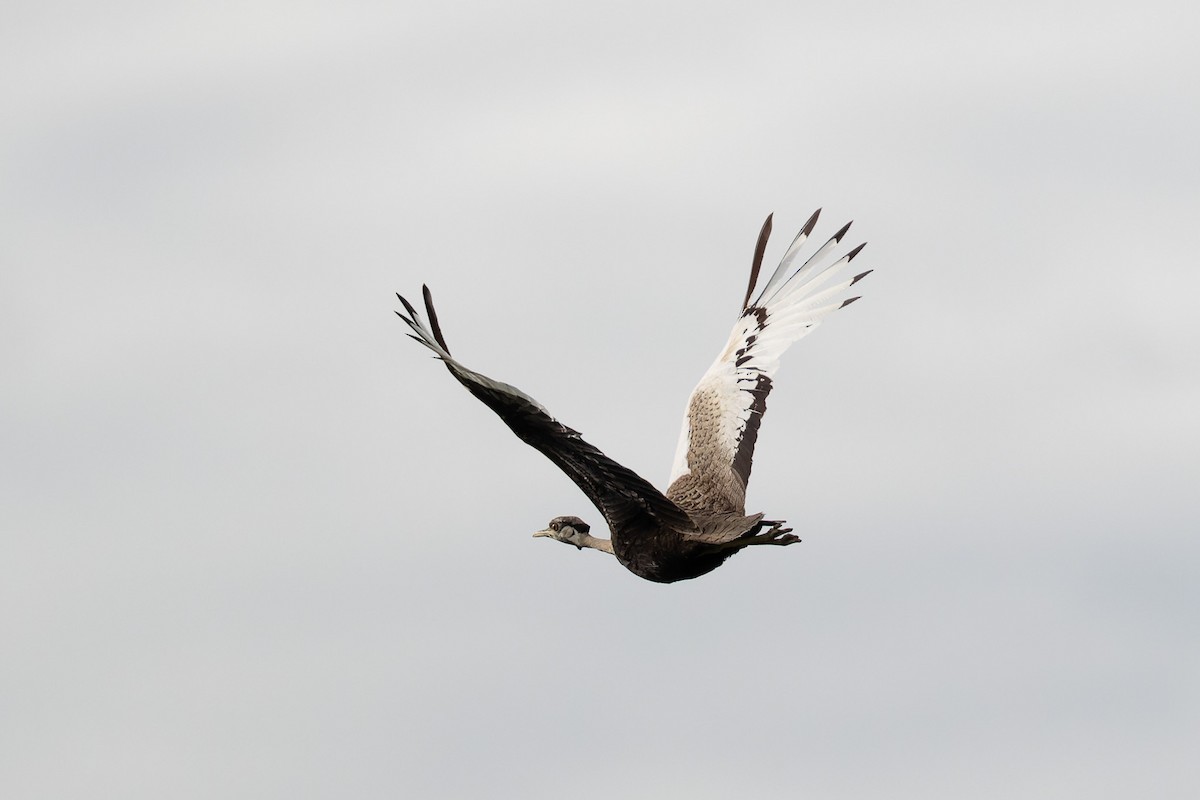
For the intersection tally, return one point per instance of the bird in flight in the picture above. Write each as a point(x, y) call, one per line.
point(701, 520)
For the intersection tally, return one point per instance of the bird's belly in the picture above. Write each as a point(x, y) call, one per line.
point(668, 566)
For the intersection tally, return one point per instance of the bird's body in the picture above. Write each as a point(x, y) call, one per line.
point(666, 556)
point(700, 521)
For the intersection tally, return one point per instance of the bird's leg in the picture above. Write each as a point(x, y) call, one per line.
point(775, 534)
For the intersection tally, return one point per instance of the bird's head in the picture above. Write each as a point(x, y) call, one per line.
point(571, 530)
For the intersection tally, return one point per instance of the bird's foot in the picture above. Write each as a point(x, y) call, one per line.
point(775, 534)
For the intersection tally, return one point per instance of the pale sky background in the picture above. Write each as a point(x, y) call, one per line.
point(255, 544)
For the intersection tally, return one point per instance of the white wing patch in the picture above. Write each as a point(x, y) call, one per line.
point(720, 424)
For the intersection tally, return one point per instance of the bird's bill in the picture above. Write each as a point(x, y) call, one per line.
point(546, 532)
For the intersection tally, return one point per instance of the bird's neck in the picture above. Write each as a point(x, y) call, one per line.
point(597, 544)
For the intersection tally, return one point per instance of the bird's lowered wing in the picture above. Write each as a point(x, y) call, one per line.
point(720, 425)
point(621, 495)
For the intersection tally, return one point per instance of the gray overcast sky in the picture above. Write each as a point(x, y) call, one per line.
point(254, 543)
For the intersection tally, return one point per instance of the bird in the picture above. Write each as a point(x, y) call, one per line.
point(700, 521)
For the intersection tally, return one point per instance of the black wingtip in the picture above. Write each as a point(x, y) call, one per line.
point(851, 300)
point(408, 321)
point(759, 249)
point(433, 320)
point(812, 223)
point(860, 276)
point(850, 256)
point(412, 312)
point(837, 237)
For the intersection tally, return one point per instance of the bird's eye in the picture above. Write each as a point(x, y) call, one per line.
point(554, 526)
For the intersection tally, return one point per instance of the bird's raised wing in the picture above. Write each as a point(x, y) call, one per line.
point(622, 496)
point(720, 424)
